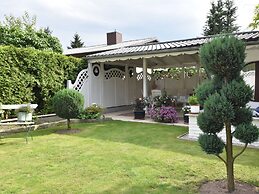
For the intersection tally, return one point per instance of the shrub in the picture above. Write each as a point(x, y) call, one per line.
point(92, 112)
point(192, 100)
point(163, 114)
point(163, 100)
point(139, 104)
point(186, 109)
point(68, 104)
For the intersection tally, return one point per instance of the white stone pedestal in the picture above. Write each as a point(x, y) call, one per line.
point(194, 130)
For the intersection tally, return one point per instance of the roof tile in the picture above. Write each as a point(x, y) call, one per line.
point(247, 36)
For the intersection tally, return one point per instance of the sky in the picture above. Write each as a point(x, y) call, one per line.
point(135, 19)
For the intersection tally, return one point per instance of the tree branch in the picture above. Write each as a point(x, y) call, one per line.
point(221, 159)
point(240, 152)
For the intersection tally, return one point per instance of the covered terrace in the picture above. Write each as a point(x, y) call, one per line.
point(129, 84)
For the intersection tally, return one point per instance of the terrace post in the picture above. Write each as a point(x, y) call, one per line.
point(198, 74)
point(184, 80)
point(145, 93)
point(256, 82)
point(102, 74)
point(126, 92)
point(90, 76)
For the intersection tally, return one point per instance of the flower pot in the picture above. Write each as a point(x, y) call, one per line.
point(195, 108)
point(140, 114)
point(24, 116)
point(186, 118)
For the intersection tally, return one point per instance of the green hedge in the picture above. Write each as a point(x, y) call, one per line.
point(29, 75)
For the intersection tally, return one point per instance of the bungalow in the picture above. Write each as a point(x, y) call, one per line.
point(112, 78)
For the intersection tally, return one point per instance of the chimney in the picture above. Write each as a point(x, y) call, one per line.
point(114, 38)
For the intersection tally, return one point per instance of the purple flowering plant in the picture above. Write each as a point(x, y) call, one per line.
point(163, 114)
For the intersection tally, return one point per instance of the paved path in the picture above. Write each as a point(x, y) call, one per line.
point(121, 115)
point(127, 116)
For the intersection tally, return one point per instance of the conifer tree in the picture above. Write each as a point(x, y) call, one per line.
point(221, 18)
point(224, 98)
point(76, 42)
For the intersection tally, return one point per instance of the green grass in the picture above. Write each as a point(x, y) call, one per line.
point(113, 157)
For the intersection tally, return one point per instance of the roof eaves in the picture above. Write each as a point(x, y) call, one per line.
point(167, 50)
point(144, 53)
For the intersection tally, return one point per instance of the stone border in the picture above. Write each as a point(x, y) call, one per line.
point(52, 124)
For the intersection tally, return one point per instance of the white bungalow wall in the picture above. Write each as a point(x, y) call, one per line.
point(111, 88)
point(139, 85)
point(180, 87)
point(96, 83)
point(114, 87)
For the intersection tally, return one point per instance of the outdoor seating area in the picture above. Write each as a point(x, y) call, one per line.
point(129, 113)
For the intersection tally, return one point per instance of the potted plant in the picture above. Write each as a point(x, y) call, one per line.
point(24, 113)
point(186, 110)
point(139, 112)
point(193, 102)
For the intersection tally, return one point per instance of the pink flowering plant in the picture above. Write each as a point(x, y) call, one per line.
point(163, 114)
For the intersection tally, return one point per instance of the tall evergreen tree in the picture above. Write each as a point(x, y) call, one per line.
point(76, 42)
point(230, 17)
point(221, 18)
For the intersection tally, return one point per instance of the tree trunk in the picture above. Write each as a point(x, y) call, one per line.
point(68, 124)
point(230, 158)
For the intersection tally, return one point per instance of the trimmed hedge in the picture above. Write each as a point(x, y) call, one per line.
point(30, 75)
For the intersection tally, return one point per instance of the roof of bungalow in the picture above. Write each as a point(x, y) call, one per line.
point(104, 47)
point(169, 46)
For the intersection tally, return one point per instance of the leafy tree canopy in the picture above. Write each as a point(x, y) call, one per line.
point(255, 23)
point(221, 18)
point(22, 32)
point(76, 42)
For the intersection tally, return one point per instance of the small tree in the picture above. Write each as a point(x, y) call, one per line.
point(76, 42)
point(255, 23)
point(68, 104)
point(221, 18)
point(224, 99)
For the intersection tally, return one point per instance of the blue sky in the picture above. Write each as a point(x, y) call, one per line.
point(91, 19)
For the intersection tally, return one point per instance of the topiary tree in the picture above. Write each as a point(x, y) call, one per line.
point(68, 104)
point(224, 99)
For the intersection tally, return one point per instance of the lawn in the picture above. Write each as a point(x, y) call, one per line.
point(113, 157)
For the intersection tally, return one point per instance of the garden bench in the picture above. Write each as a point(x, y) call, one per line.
point(27, 124)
